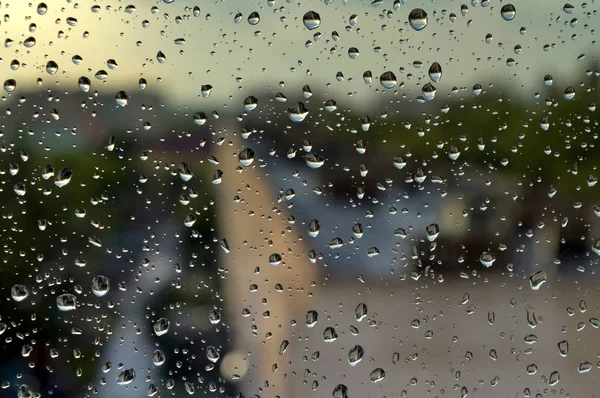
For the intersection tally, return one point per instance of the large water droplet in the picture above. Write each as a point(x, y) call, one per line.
point(418, 19)
point(435, 72)
point(508, 12)
point(537, 279)
point(298, 113)
point(161, 326)
point(388, 80)
point(355, 355)
point(126, 377)
point(63, 178)
point(312, 20)
point(66, 302)
point(19, 293)
point(100, 285)
point(246, 157)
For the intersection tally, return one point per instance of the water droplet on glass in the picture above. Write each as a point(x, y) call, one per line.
point(250, 103)
point(212, 354)
point(563, 348)
point(355, 355)
point(377, 375)
point(340, 391)
point(298, 113)
point(537, 279)
point(66, 302)
point(185, 171)
point(314, 160)
point(246, 157)
point(161, 326)
point(428, 91)
point(487, 259)
point(10, 85)
point(554, 378)
point(19, 293)
point(433, 230)
point(417, 19)
point(122, 98)
point(51, 67)
point(126, 376)
point(569, 93)
point(435, 72)
point(84, 84)
point(206, 90)
point(360, 312)
point(254, 18)
point(508, 12)
point(42, 8)
point(274, 259)
point(312, 20)
point(100, 285)
point(388, 80)
point(214, 316)
point(329, 335)
point(311, 318)
point(63, 178)
point(158, 357)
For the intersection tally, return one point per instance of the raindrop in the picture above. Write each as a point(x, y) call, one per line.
point(563, 348)
point(122, 98)
point(314, 160)
point(377, 375)
point(360, 312)
point(19, 293)
point(63, 178)
point(355, 355)
point(388, 80)
point(158, 358)
point(246, 157)
point(340, 391)
point(212, 354)
point(435, 72)
point(253, 18)
point(428, 91)
point(185, 171)
point(51, 67)
point(537, 279)
point(250, 103)
point(329, 335)
point(10, 85)
point(353, 52)
point(569, 93)
point(508, 12)
point(84, 84)
point(433, 230)
point(311, 318)
point(66, 302)
point(312, 20)
point(214, 316)
point(161, 326)
point(206, 90)
point(126, 376)
point(100, 285)
point(298, 113)
point(417, 19)
point(42, 8)
point(487, 259)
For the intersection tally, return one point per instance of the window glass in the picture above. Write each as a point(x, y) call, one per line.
point(283, 198)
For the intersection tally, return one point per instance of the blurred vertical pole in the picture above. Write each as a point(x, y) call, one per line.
point(255, 227)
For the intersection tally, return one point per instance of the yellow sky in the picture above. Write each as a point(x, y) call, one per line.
point(217, 51)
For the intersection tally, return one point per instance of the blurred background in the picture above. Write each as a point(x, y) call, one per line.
point(276, 198)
